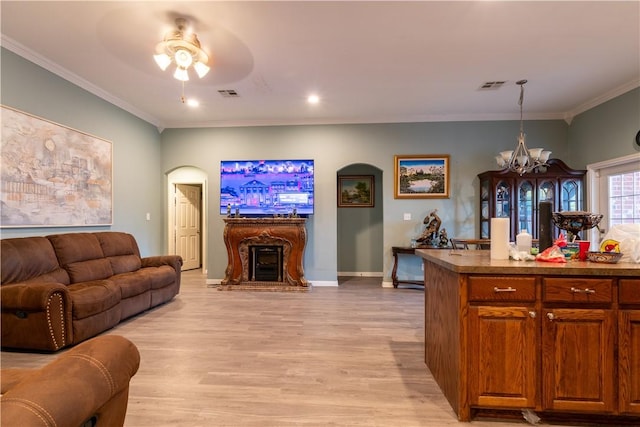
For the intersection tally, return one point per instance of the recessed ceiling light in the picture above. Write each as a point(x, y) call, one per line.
point(313, 99)
point(193, 102)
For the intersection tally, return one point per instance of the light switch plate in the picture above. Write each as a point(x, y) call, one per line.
point(407, 217)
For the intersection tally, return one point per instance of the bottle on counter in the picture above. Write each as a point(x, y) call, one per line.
point(523, 241)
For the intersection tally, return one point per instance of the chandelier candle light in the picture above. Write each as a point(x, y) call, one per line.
point(523, 160)
point(183, 49)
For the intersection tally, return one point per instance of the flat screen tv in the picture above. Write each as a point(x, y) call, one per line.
point(258, 188)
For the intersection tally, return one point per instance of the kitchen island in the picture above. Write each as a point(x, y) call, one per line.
point(561, 340)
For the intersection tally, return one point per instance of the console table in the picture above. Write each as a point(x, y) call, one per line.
point(396, 250)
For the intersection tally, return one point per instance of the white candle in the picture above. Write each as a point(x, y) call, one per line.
point(499, 238)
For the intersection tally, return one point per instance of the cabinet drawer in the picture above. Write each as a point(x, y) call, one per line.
point(577, 289)
point(629, 291)
point(500, 288)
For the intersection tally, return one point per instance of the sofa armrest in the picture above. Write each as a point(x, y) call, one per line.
point(174, 261)
point(89, 382)
point(36, 316)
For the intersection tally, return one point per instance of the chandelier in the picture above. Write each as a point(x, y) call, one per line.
point(182, 49)
point(523, 160)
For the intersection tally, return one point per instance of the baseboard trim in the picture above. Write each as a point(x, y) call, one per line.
point(360, 273)
point(323, 283)
point(312, 283)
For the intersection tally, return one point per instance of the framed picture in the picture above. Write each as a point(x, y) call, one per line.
point(421, 177)
point(52, 175)
point(356, 191)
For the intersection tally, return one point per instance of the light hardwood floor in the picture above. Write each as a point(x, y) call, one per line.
point(351, 355)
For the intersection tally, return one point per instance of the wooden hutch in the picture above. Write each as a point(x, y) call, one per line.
point(506, 194)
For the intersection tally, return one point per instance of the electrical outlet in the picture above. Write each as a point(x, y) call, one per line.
point(148, 216)
point(407, 217)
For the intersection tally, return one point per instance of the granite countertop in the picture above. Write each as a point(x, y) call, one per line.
point(479, 262)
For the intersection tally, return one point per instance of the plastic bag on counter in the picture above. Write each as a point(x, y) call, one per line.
point(554, 253)
point(517, 255)
point(628, 238)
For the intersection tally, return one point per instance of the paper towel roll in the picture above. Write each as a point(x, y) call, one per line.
point(499, 238)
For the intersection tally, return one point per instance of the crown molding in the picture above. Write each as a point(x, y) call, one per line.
point(56, 69)
point(620, 90)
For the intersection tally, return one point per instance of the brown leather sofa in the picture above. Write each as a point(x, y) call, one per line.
point(61, 289)
point(87, 385)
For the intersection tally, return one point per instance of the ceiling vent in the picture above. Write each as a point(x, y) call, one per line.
point(228, 93)
point(492, 85)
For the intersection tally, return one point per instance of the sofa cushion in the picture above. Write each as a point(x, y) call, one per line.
point(121, 249)
point(160, 276)
point(27, 258)
point(90, 298)
point(124, 263)
point(117, 243)
point(81, 255)
point(132, 284)
point(75, 247)
point(85, 271)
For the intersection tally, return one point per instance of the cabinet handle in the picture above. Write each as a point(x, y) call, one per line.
point(532, 314)
point(583, 291)
point(551, 316)
point(509, 289)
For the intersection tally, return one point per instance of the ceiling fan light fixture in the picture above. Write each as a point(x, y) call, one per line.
point(163, 60)
point(201, 69)
point(183, 58)
point(181, 74)
point(183, 49)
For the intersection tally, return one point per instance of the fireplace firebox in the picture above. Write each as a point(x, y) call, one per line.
point(266, 263)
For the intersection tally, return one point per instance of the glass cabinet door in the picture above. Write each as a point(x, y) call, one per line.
point(503, 200)
point(546, 192)
point(484, 209)
point(525, 206)
point(571, 195)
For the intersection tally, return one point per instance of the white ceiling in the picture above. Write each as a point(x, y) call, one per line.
point(370, 62)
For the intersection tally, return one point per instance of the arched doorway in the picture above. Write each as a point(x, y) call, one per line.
point(360, 229)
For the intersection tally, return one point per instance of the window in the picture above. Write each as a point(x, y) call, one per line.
point(614, 191)
point(624, 198)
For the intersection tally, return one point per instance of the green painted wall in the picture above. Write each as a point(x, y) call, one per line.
point(137, 178)
point(605, 132)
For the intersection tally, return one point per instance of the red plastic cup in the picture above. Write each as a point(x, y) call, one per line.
point(584, 248)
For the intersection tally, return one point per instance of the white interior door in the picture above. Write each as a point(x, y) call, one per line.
point(188, 225)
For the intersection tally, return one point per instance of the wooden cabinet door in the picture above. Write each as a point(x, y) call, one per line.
point(629, 361)
point(577, 360)
point(502, 355)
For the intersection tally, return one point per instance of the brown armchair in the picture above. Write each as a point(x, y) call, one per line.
point(87, 385)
